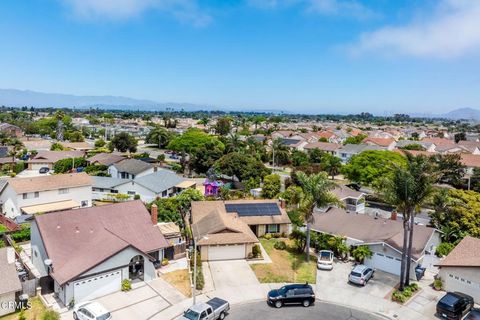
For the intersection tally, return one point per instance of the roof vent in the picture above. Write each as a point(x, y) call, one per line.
point(77, 230)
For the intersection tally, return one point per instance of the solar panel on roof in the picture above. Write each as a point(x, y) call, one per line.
point(253, 209)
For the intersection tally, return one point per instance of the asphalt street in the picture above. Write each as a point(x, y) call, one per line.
point(319, 311)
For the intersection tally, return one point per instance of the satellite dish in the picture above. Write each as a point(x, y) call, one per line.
point(48, 262)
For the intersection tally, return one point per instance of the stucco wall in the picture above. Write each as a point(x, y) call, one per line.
point(463, 279)
point(38, 250)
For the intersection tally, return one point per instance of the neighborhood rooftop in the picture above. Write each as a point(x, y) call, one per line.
point(50, 182)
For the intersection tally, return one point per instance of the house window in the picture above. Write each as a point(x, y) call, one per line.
point(272, 228)
point(25, 196)
point(63, 191)
point(164, 193)
point(37, 194)
point(114, 191)
point(84, 203)
point(131, 192)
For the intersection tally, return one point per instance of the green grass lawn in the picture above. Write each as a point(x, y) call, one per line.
point(3, 228)
point(34, 313)
point(287, 265)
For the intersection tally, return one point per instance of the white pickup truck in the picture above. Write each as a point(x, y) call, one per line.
point(213, 309)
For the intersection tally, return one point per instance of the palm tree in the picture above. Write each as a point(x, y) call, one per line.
point(317, 194)
point(332, 164)
point(16, 145)
point(408, 189)
point(160, 136)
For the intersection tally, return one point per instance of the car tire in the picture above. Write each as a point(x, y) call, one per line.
point(278, 304)
point(222, 315)
point(306, 303)
point(75, 316)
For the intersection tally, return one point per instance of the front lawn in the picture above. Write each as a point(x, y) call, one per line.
point(180, 279)
point(34, 313)
point(287, 265)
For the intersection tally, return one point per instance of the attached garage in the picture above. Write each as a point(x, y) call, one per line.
point(38, 166)
point(462, 279)
point(384, 262)
point(226, 252)
point(97, 286)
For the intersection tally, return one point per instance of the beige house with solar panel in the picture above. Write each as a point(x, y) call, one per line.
point(227, 230)
point(45, 194)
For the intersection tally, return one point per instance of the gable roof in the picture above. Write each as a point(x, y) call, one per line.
point(470, 145)
point(50, 182)
point(10, 282)
point(160, 180)
point(324, 146)
point(54, 156)
point(343, 192)
point(106, 158)
point(367, 229)
point(465, 254)
point(132, 166)
point(470, 160)
point(69, 236)
point(382, 142)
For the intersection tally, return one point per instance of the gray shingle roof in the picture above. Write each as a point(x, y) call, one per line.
point(107, 182)
point(10, 281)
point(132, 166)
point(159, 181)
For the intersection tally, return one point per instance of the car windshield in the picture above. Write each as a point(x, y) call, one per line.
point(282, 290)
point(190, 314)
point(355, 274)
point(325, 255)
point(104, 316)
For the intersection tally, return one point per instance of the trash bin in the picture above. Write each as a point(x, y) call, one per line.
point(420, 272)
point(23, 299)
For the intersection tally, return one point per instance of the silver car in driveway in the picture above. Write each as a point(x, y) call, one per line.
point(361, 274)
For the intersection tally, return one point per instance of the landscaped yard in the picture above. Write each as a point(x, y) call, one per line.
point(34, 313)
point(287, 265)
point(180, 279)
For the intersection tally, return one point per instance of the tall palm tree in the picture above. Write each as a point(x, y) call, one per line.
point(408, 189)
point(317, 194)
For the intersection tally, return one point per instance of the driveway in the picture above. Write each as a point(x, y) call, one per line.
point(232, 273)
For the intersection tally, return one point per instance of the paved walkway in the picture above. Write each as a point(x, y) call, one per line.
point(174, 265)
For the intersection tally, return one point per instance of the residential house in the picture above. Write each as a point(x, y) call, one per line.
point(329, 136)
point(78, 146)
point(353, 200)
point(36, 144)
point(106, 159)
point(428, 146)
point(48, 158)
point(10, 285)
point(328, 147)
point(6, 163)
point(87, 253)
point(229, 229)
point(172, 234)
point(282, 134)
point(470, 161)
point(45, 194)
point(130, 169)
point(384, 237)
point(460, 270)
point(160, 184)
point(11, 130)
point(472, 146)
point(349, 150)
point(384, 143)
point(294, 143)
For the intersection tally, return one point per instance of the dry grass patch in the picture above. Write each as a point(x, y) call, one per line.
point(287, 265)
point(34, 313)
point(180, 279)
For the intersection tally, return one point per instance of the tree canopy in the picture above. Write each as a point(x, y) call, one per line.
point(124, 142)
point(241, 166)
point(193, 138)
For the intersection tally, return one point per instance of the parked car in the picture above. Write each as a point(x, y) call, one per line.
point(361, 274)
point(292, 294)
point(325, 260)
point(89, 310)
point(474, 314)
point(213, 309)
point(44, 170)
point(454, 305)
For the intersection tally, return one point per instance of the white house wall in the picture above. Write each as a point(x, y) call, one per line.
point(9, 200)
point(38, 252)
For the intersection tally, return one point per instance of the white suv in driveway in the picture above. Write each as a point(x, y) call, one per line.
point(361, 274)
point(325, 260)
point(89, 310)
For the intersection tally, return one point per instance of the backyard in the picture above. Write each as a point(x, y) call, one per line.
point(287, 265)
point(34, 313)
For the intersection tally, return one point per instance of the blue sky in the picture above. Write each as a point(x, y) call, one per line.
point(314, 56)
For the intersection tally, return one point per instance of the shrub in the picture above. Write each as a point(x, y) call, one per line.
point(22, 235)
point(280, 245)
point(200, 279)
point(126, 285)
point(136, 197)
point(361, 253)
point(444, 249)
point(21, 315)
point(438, 284)
point(403, 296)
point(164, 261)
point(256, 251)
point(50, 315)
point(268, 236)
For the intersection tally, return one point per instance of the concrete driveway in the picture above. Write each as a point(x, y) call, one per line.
point(232, 273)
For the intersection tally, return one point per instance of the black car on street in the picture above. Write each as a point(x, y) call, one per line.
point(292, 294)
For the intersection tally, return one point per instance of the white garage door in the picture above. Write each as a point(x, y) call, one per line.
point(458, 282)
point(384, 262)
point(94, 287)
point(37, 166)
point(226, 252)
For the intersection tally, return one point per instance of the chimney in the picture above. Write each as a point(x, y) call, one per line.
point(154, 214)
point(394, 215)
point(282, 203)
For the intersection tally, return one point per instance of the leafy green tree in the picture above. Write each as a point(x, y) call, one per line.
point(315, 155)
point(223, 126)
point(317, 193)
point(15, 147)
point(99, 143)
point(192, 139)
point(56, 147)
point(204, 157)
point(242, 166)
point(300, 158)
point(124, 142)
point(65, 165)
point(331, 164)
point(361, 253)
point(369, 167)
point(408, 189)
point(355, 139)
point(271, 186)
point(159, 136)
point(413, 146)
point(74, 136)
point(450, 167)
point(293, 195)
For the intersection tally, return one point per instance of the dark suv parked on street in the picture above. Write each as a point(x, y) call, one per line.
point(292, 294)
point(454, 305)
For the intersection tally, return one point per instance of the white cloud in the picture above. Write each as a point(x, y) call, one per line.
point(185, 10)
point(451, 31)
point(349, 8)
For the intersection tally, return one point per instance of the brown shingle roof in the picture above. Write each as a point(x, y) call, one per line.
point(343, 192)
point(465, 254)
point(10, 282)
point(54, 156)
point(324, 146)
point(382, 142)
point(132, 166)
point(50, 182)
point(78, 240)
point(106, 158)
point(369, 230)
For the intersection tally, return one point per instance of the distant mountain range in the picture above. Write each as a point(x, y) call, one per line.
point(463, 113)
point(20, 98)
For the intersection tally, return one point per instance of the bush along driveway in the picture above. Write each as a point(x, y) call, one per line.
point(288, 265)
